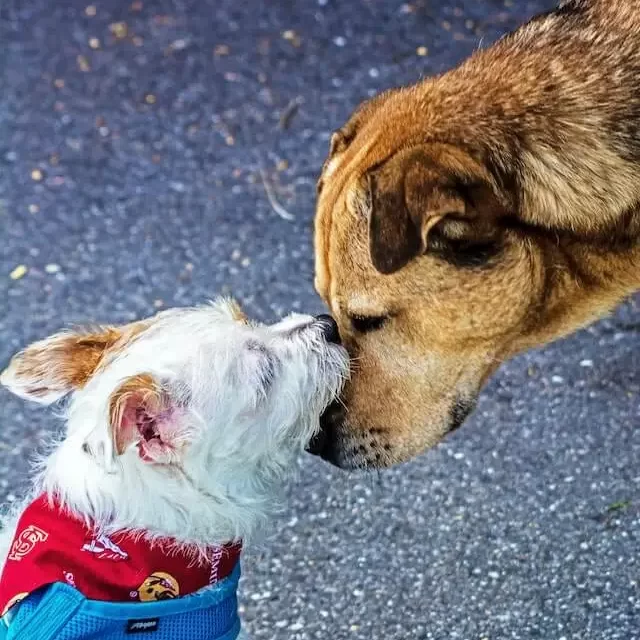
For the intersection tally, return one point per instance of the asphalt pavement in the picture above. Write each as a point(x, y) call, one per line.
point(136, 142)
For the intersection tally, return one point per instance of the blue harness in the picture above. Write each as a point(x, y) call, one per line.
point(60, 612)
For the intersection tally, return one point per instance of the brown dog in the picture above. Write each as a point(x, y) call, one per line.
point(475, 215)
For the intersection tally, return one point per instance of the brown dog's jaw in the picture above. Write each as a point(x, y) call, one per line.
point(344, 446)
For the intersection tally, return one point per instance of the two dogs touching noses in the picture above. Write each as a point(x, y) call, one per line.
point(460, 222)
point(180, 431)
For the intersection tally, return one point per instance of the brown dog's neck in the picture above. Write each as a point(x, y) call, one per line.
point(578, 280)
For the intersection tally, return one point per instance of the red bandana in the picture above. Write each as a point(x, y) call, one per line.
point(51, 545)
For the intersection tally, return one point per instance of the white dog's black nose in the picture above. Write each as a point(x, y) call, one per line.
point(329, 328)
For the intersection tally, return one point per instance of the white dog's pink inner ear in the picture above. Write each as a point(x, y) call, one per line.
point(133, 410)
point(142, 413)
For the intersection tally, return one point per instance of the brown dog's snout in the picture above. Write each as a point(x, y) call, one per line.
point(329, 328)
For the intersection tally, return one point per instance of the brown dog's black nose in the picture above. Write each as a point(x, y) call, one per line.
point(329, 328)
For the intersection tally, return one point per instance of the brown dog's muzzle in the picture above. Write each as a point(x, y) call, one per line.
point(327, 442)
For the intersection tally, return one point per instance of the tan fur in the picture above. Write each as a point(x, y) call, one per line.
point(67, 360)
point(524, 162)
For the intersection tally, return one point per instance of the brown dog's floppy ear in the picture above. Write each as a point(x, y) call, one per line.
point(413, 192)
point(50, 369)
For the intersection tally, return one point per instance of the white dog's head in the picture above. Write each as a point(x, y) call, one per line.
point(184, 423)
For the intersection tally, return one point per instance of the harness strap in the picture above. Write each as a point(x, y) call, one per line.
point(55, 609)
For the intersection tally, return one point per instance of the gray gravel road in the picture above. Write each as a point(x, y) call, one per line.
point(132, 141)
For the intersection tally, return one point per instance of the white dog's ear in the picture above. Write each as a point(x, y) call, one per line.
point(50, 369)
point(145, 413)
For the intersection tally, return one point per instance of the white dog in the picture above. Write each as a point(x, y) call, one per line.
point(180, 431)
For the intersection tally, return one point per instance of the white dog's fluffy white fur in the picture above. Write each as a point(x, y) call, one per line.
point(231, 404)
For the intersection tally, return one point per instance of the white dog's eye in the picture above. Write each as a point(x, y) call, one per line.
point(266, 363)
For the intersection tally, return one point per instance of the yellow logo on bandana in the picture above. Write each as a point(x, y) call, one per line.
point(159, 586)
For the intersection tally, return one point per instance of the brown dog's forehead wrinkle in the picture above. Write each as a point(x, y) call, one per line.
point(332, 197)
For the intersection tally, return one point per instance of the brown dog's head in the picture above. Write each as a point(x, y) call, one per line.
point(432, 276)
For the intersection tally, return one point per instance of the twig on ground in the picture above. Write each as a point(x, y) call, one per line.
point(275, 205)
point(289, 112)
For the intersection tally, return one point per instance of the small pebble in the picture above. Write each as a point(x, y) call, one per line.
point(90, 10)
point(339, 41)
point(58, 83)
point(119, 30)
point(150, 98)
point(34, 208)
point(422, 51)
point(36, 175)
point(19, 272)
point(221, 50)
point(83, 64)
point(373, 72)
point(586, 363)
point(179, 45)
point(291, 36)
point(94, 43)
point(52, 268)
point(557, 379)
point(158, 303)
point(245, 262)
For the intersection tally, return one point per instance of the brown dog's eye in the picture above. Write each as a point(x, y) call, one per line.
point(365, 324)
point(458, 243)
